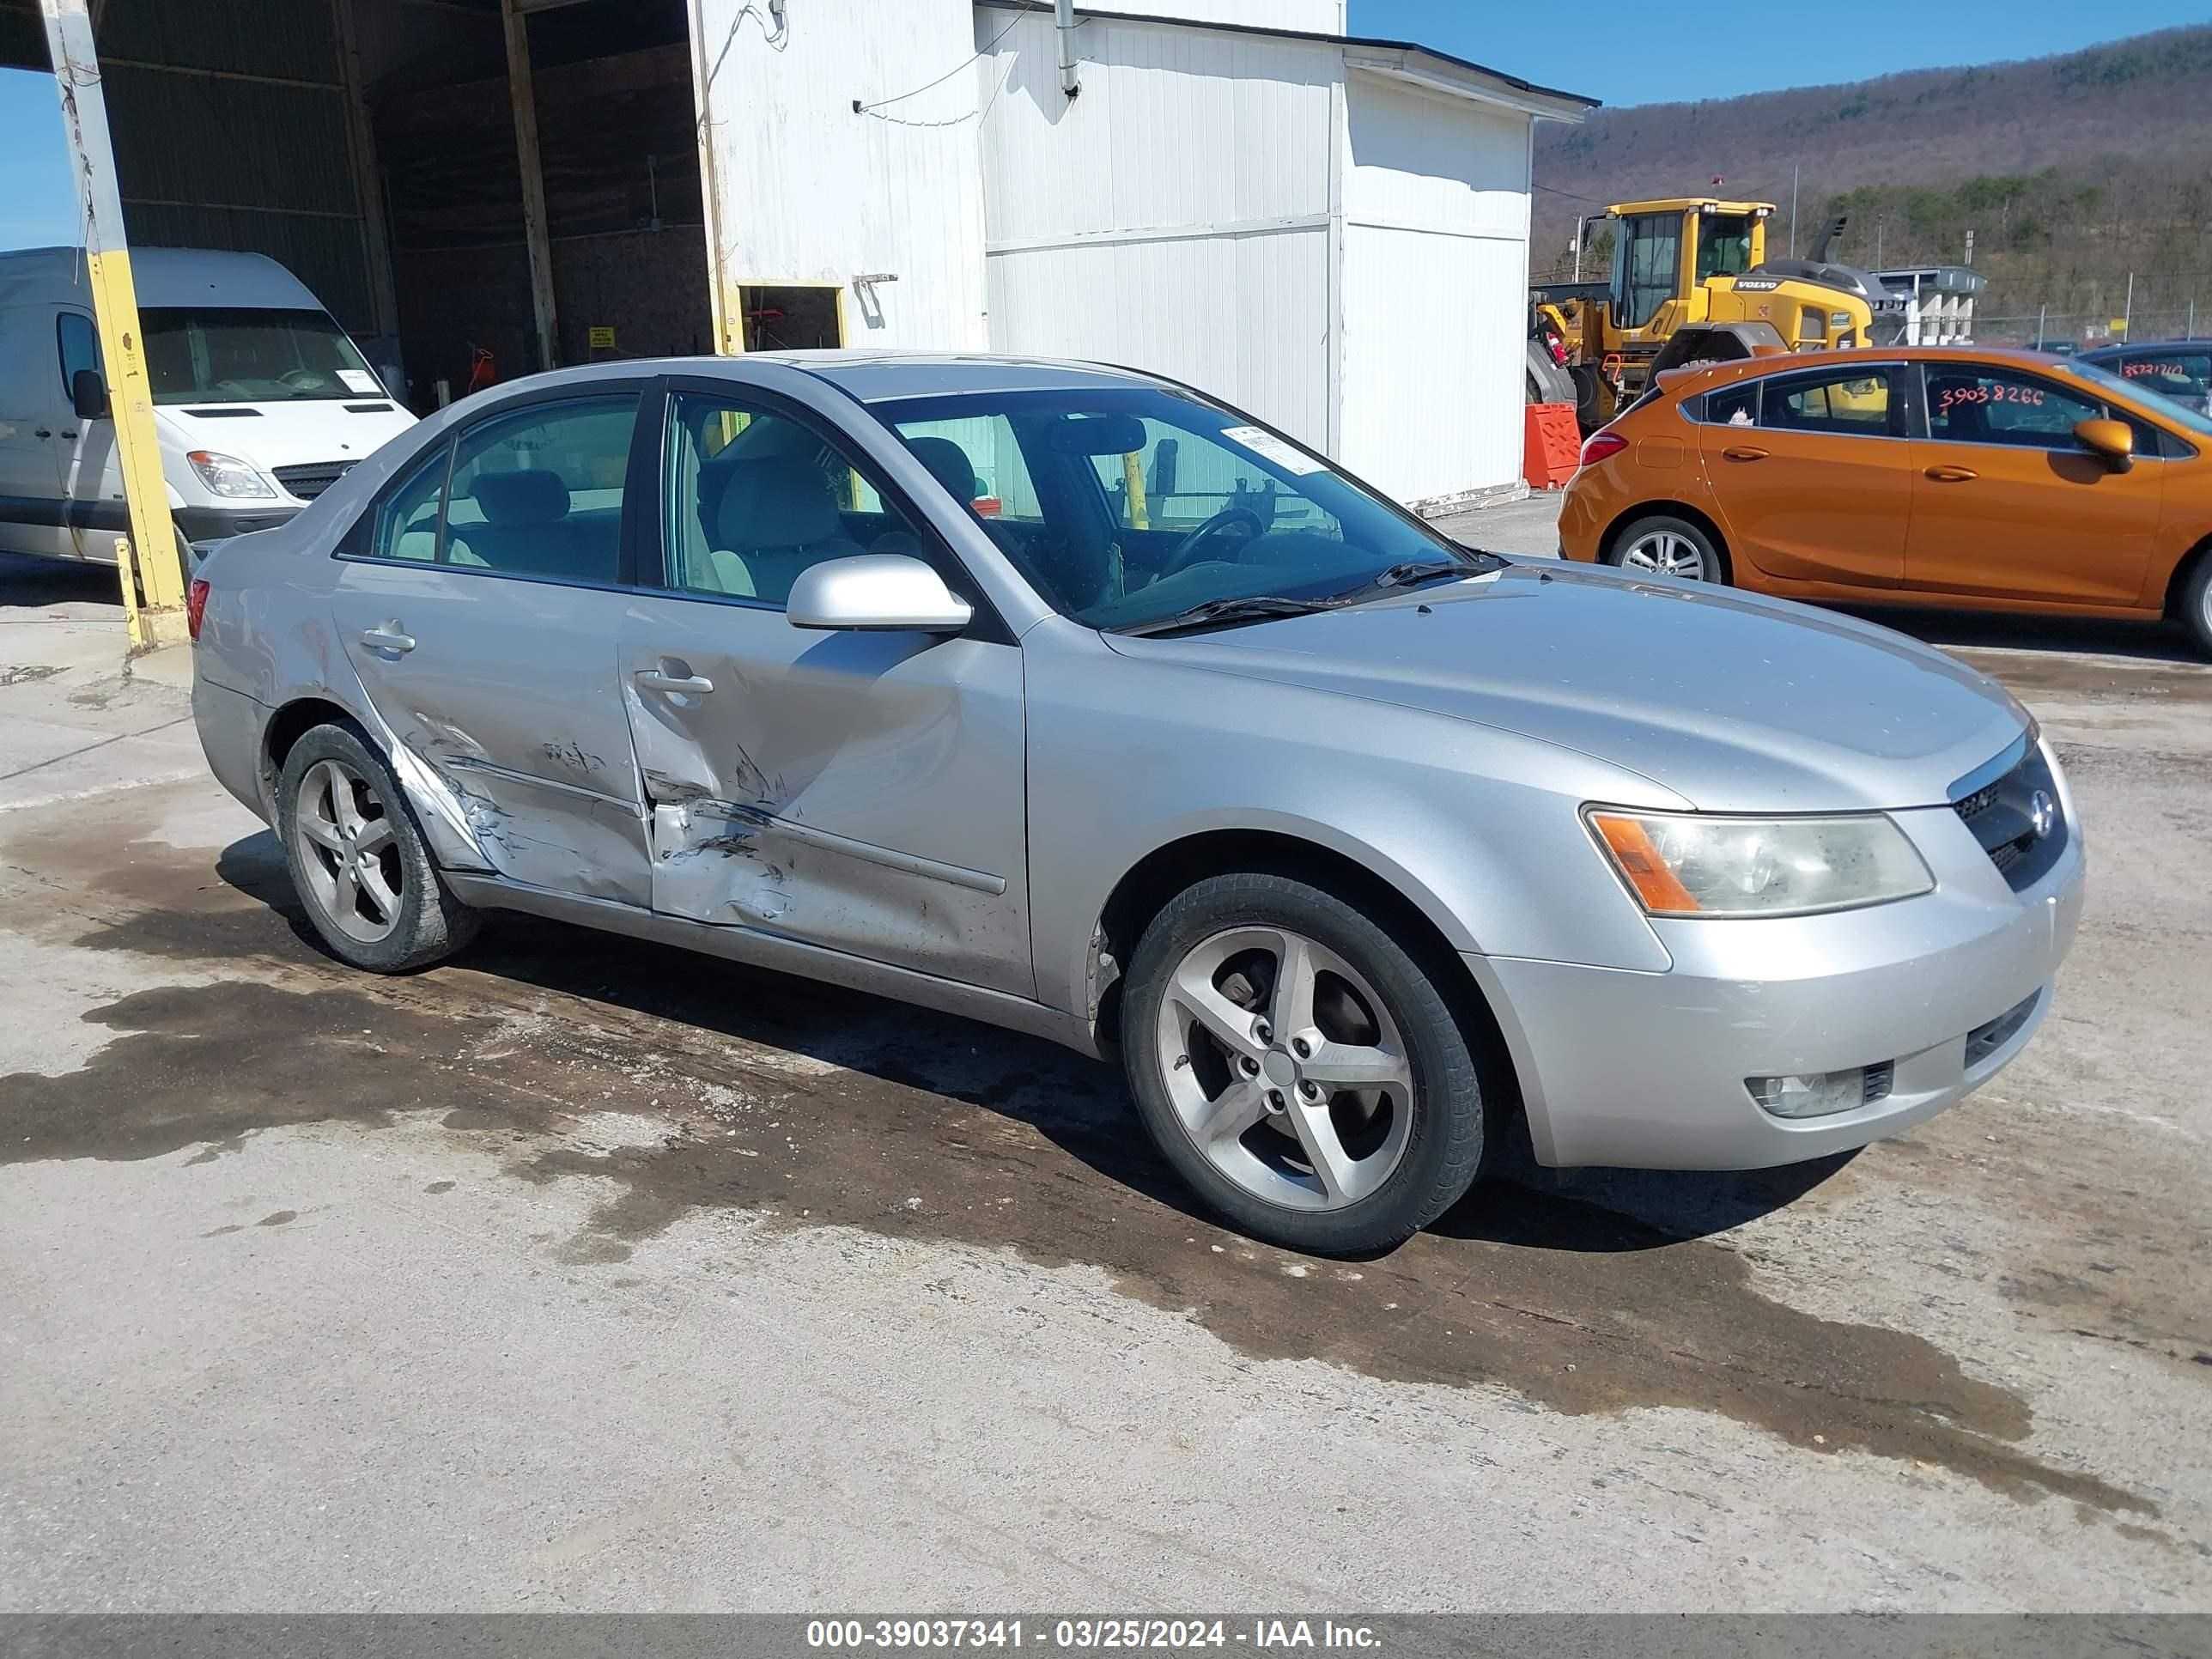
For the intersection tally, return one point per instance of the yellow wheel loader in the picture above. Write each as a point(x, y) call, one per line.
point(1690, 263)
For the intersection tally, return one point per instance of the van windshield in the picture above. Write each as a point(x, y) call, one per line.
point(251, 356)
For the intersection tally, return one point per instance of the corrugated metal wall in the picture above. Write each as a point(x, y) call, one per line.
point(810, 190)
point(1175, 216)
point(1436, 262)
point(230, 128)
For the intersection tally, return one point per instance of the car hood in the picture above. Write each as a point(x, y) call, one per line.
point(1732, 702)
point(312, 432)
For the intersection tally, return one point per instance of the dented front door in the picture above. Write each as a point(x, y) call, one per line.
point(862, 792)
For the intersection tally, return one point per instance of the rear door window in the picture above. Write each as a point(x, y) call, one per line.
point(539, 492)
point(1850, 402)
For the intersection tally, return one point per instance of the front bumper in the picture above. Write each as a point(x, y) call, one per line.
point(1647, 1070)
point(217, 524)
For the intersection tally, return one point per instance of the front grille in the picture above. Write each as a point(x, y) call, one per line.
point(2017, 820)
point(1985, 1040)
point(309, 481)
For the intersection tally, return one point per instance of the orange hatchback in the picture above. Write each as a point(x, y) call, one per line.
point(1994, 480)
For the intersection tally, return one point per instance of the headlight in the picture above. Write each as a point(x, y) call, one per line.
point(226, 475)
point(1693, 864)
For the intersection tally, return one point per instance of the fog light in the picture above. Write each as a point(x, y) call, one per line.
point(1817, 1094)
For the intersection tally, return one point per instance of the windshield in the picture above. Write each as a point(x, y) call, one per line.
point(2141, 396)
point(1724, 245)
point(1124, 507)
point(245, 356)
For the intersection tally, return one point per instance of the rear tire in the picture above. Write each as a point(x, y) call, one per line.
point(1299, 1066)
point(1662, 545)
point(2196, 604)
point(358, 859)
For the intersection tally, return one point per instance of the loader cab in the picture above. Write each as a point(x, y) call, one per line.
point(1667, 250)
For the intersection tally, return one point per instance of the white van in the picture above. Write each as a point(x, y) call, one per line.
point(260, 399)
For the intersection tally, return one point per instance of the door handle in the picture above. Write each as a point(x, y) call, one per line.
point(1744, 453)
point(655, 680)
point(1951, 474)
point(389, 638)
point(42, 432)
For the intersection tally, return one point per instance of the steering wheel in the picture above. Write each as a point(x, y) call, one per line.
point(304, 379)
point(1188, 550)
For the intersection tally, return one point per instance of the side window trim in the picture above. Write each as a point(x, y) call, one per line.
point(652, 572)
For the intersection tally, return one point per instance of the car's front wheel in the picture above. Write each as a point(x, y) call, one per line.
point(1663, 546)
point(1299, 1066)
point(359, 861)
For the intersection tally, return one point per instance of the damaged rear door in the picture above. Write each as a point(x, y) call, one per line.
point(863, 792)
point(479, 603)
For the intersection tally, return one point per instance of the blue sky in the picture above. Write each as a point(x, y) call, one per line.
point(1658, 55)
point(1734, 47)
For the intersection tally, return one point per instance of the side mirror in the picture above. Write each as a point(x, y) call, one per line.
point(87, 394)
point(2114, 440)
point(879, 592)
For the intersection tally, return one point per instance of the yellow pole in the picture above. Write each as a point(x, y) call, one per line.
point(1132, 479)
point(152, 572)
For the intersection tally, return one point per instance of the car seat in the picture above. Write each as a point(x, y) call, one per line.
point(776, 519)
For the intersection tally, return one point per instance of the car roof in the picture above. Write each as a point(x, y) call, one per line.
point(869, 376)
point(1683, 382)
point(2121, 346)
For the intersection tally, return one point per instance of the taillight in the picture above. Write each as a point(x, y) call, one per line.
point(1599, 445)
point(196, 606)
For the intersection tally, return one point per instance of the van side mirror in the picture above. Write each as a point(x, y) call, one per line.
point(87, 394)
point(2112, 440)
point(882, 591)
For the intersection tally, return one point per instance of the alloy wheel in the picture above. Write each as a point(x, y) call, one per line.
point(1285, 1069)
point(342, 835)
point(1666, 553)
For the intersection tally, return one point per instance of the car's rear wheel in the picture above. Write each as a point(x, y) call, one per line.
point(2196, 604)
point(358, 858)
point(1663, 546)
point(1299, 1066)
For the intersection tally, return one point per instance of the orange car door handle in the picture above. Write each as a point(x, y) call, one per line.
point(1952, 474)
point(1744, 453)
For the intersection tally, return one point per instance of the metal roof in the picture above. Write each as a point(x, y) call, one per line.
point(1417, 54)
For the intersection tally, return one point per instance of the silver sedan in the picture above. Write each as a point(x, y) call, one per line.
point(1068, 699)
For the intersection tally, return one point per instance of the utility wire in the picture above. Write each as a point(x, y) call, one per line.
point(859, 108)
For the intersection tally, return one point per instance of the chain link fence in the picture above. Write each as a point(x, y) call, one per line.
point(2088, 329)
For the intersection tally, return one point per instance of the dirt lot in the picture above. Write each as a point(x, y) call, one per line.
point(582, 1274)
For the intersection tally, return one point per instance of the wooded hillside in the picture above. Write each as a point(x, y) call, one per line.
point(2072, 172)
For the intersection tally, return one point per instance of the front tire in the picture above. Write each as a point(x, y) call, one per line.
point(358, 859)
point(1663, 546)
point(1299, 1066)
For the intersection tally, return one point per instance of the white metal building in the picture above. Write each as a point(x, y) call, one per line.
point(1331, 232)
